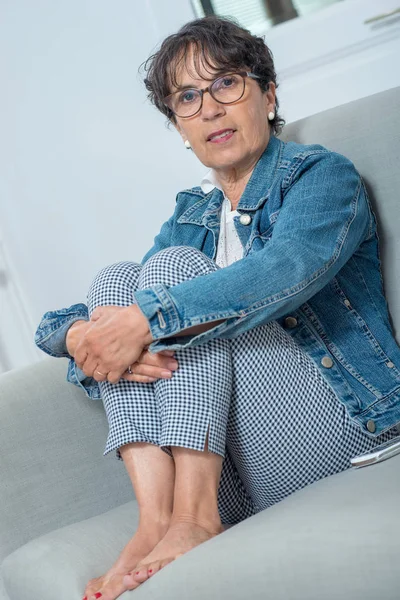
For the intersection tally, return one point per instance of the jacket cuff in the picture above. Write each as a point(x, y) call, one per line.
point(51, 334)
point(89, 385)
point(159, 309)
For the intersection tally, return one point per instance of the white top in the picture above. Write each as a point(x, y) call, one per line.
point(229, 248)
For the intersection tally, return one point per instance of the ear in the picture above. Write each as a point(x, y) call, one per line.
point(270, 97)
point(179, 130)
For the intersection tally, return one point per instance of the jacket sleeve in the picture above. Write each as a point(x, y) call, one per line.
point(51, 335)
point(324, 218)
point(52, 331)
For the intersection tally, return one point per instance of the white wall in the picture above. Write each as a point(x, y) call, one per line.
point(88, 170)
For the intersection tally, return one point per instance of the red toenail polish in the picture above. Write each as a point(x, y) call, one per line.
point(98, 595)
point(150, 570)
point(137, 572)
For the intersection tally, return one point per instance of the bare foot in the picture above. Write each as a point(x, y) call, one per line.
point(179, 539)
point(111, 585)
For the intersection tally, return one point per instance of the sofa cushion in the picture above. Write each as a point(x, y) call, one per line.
point(337, 538)
point(51, 443)
point(59, 564)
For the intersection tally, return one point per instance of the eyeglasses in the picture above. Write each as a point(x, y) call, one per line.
point(226, 89)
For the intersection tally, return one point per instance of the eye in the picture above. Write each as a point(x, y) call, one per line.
point(225, 83)
point(228, 81)
point(187, 96)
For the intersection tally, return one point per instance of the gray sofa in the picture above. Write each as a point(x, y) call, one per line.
point(66, 511)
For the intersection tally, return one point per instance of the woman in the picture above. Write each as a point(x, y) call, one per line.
point(253, 344)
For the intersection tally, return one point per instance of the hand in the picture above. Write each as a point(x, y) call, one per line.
point(150, 367)
point(115, 340)
point(75, 334)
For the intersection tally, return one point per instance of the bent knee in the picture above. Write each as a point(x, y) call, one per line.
point(118, 279)
point(174, 265)
point(118, 271)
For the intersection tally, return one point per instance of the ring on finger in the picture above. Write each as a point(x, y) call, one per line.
point(102, 374)
point(129, 370)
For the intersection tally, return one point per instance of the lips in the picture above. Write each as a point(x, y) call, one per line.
point(220, 134)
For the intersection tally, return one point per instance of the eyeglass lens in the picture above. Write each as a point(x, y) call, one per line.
point(226, 89)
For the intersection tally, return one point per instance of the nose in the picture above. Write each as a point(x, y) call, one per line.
point(211, 108)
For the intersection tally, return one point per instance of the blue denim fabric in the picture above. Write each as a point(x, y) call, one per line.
point(311, 253)
point(50, 337)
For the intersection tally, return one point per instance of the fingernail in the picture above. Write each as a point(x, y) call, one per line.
point(166, 373)
point(169, 352)
point(172, 365)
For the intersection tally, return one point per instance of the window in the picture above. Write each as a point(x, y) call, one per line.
point(259, 15)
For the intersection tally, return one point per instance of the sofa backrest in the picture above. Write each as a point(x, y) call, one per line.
point(367, 131)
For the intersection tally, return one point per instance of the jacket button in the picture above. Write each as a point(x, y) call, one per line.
point(371, 426)
point(347, 302)
point(327, 362)
point(290, 322)
point(390, 365)
point(245, 219)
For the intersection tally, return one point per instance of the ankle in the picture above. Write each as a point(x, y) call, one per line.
point(209, 522)
point(154, 520)
point(198, 505)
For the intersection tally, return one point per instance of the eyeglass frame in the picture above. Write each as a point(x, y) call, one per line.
point(202, 91)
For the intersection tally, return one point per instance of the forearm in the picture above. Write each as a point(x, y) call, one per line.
point(196, 329)
point(317, 231)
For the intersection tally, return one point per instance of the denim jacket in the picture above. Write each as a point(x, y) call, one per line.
point(310, 262)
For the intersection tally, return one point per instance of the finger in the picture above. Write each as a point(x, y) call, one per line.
point(97, 313)
point(114, 376)
point(80, 354)
point(151, 371)
point(89, 367)
point(167, 352)
point(99, 375)
point(138, 378)
point(157, 360)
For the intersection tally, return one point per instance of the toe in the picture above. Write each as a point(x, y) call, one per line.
point(157, 565)
point(131, 582)
point(153, 567)
point(140, 574)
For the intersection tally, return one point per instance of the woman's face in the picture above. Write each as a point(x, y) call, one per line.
point(245, 122)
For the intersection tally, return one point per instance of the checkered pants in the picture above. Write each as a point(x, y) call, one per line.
point(269, 413)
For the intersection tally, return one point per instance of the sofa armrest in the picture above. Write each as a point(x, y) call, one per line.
point(52, 469)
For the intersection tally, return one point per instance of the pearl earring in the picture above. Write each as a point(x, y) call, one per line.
point(187, 144)
point(271, 116)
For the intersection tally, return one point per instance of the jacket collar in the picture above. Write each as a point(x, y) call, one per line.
point(260, 182)
point(253, 197)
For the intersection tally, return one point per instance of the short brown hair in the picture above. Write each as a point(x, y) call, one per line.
point(218, 43)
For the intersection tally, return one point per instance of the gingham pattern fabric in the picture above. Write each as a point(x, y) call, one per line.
point(267, 408)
